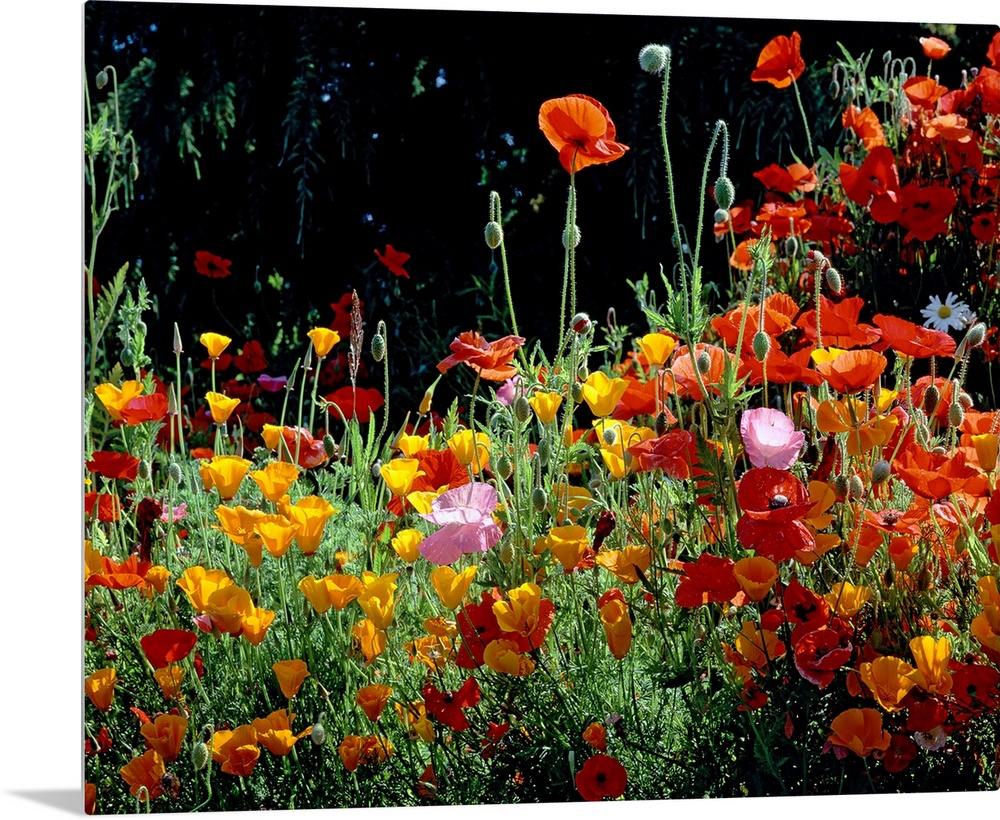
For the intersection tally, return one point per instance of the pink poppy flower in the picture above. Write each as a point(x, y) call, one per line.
point(507, 392)
point(466, 517)
point(272, 384)
point(770, 438)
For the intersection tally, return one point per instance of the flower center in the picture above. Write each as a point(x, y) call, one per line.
point(944, 312)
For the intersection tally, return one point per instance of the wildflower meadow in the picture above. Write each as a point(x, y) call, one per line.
point(725, 525)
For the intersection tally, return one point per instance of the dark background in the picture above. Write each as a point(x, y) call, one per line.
point(356, 128)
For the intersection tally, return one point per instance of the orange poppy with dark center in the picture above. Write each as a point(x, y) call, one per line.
point(780, 61)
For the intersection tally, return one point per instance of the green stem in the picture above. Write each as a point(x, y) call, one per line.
point(805, 122)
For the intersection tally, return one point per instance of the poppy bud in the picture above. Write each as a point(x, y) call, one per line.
point(580, 323)
point(101, 79)
point(931, 396)
point(377, 469)
point(791, 246)
point(544, 451)
point(178, 344)
point(653, 58)
point(174, 473)
point(571, 237)
point(939, 450)
point(610, 436)
point(576, 392)
point(661, 423)
point(504, 466)
point(539, 499)
point(329, 446)
point(840, 485)
point(494, 235)
point(200, 755)
point(956, 414)
point(378, 347)
point(924, 580)
point(721, 215)
point(976, 335)
point(144, 471)
point(887, 57)
point(583, 372)
point(761, 345)
point(855, 486)
point(318, 733)
point(133, 171)
point(880, 471)
point(725, 193)
point(704, 362)
point(834, 89)
point(891, 96)
point(507, 553)
point(521, 409)
point(965, 400)
point(834, 280)
point(888, 576)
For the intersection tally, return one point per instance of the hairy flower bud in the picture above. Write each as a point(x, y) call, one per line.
point(956, 414)
point(653, 58)
point(840, 485)
point(931, 397)
point(610, 436)
point(521, 409)
point(580, 323)
point(329, 446)
point(571, 237)
point(576, 392)
point(378, 347)
point(544, 452)
point(174, 473)
point(725, 193)
point(704, 362)
point(721, 215)
point(200, 756)
point(761, 346)
point(855, 486)
point(318, 734)
point(504, 466)
point(539, 499)
point(494, 235)
point(101, 79)
point(662, 423)
point(965, 400)
point(791, 246)
point(976, 335)
point(880, 471)
point(144, 471)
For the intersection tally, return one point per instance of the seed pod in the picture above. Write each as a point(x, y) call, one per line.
point(494, 235)
point(378, 347)
point(539, 499)
point(653, 58)
point(725, 193)
point(521, 409)
point(377, 470)
point(761, 346)
point(544, 452)
point(880, 471)
point(931, 396)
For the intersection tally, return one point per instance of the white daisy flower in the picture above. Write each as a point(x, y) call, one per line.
point(951, 314)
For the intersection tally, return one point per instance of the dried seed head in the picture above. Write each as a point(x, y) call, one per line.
point(653, 58)
point(725, 193)
point(761, 346)
point(494, 235)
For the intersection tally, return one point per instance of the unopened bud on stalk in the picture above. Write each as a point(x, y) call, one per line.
point(965, 400)
point(834, 280)
point(725, 193)
point(931, 397)
point(200, 756)
point(580, 323)
point(761, 347)
point(571, 237)
point(976, 335)
point(791, 246)
point(308, 358)
point(318, 733)
point(539, 499)
point(504, 466)
point(133, 170)
point(178, 344)
point(662, 423)
point(329, 446)
point(855, 486)
point(704, 362)
point(494, 235)
point(653, 58)
point(174, 473)
point(834, 90)
point(576, 392)
point(956, 414)
point(583, 372)
point(101, 79)
point(880, 471)
point(924, 580)
point(144, 471)
point(887, 57)
point(839, 484)
point(377, 469)
point(721, 215)
point(610, 436)
point(891, 96)
point(378, 347)
point(544, 452)
point(521, 409)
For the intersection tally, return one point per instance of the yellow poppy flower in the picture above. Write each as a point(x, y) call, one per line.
point(254, 625)
point(228, 607)
point(414, 718)
point(275, 734)
point(452, 586)
point(200, 584)
point(275, 479)
point(311, 514)
point(290, 675)
point(276, 533)
point(377, 600)
point(657, 347)
point(165, 735)
point(215, 343)
point(986, 448)
point(221, 406)
point(100, 688)
point(399, 474)
point(568, 544)
point(623, 564)
point(756, 576)
point(409, 445)
point(602, 393)
point(170, 679)
point(520, 612)
point(545, 404)
point(503, 656)
point(225, 474)
point(367, 639)
point(470, 451)
point(433, 651)
point(931, 657)
point(323, 339)
point(115, 398)
point(859, 730)
point(406, 544)
point(889, 679)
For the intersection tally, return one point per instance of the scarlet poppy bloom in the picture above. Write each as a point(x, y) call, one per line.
point(672, 452)
point(360, 401)
point(851, 370)
point(251, 358)
point(819, 653)
point(926, 210)
point(875, 185)
point(491, 360)
point(780, 61)
point(931, 475)
point(129, 573)
point(212, 266)
point(394, 260)
point(900, 753)
point(601, 776)
point(710, 579)
point(478, 626)
point(773, 501)
point(865, 124)
point(113, 465)
point(145, 408)
point(446, 707)
point(934, 47)
point(166, 646)
point(581, 130)
point(923, 92)
point(912, 340)
point(297, 439)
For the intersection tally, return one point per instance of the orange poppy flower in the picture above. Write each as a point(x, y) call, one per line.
point(165, 735)
point(934, 47)
point(275, 734)
point(491, 360)
point(924, 92)
point(859, 730)
point(372, 699)
point(780, 61)
point(237, 750)
point(100, 688)
point(579, 128)
point(290, 675)
point(931, 475)
point(617, 623)
point(147, 771)
point(910, 339)
point(875, 185)
point(865, 124)
point(850, 370)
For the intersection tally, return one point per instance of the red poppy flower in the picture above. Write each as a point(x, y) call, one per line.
point(639, 399)
point(773, 501)
point(931, 475)
point(901, 752)
point(145, 408)
point(394, 260)
point(311, 450)
point(221, 363)
point(925, 210)
point(819, 653)
point(853, 370)
point(108, 506)
point(113, 465)
point(601, 776)
point(477, 625)
point(993, 52)
point(985, 227)
point(166, 646)
point(212, 266)
point(976, 689)
point(103, 743)
point(361, 401)
point(781, 369)
point(865, 124)
point(709, 580)
point(875, 185)
point(581, 130)
point(807, 610)
point(491, 360)
point(776, 178)
point(446, 707)
point(251, 358)
point(670, 452)
point(129, 573)
point(780, 61)
point(924, 712)
point(923, 92)
point(912, 340)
